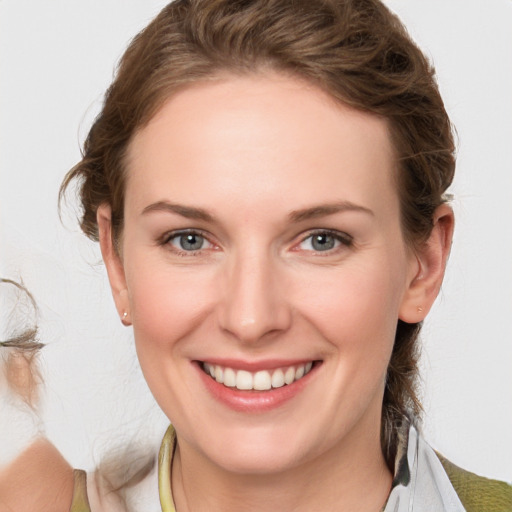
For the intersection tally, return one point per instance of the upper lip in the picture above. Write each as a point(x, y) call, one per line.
point(254, 366)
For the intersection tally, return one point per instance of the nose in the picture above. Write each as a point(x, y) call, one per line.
point(254, 304)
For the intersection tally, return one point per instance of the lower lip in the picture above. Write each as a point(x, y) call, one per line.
point(254, 401)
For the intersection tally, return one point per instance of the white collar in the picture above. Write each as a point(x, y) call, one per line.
point(425, 486)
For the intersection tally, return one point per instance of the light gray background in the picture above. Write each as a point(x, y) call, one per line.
point(57, 58)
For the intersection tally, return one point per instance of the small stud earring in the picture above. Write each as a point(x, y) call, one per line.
point(124, 319)
point(420, 309)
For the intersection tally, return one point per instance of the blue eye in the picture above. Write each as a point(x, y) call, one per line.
point(323, 241)
point(189, 241)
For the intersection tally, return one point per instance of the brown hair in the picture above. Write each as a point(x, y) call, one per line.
point(20, 341)
point(356, 50)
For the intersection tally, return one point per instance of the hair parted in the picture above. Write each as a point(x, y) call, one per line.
point(355, 50)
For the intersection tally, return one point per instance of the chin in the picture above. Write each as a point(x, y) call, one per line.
point(258, 460)
point(260, 451)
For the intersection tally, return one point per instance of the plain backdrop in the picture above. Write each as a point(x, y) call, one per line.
point(57, 58)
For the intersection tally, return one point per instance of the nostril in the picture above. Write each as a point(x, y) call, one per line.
point(252, 305)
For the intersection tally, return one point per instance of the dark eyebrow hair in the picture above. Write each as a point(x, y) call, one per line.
point(295, 216)
point(185, 211)
point(327, 209)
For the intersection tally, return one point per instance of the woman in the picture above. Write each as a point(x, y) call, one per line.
point(267, 182)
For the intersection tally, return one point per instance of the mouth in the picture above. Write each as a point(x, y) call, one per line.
point(261, 380)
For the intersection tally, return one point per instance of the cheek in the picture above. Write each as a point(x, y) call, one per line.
point(355, 307)
point(167, 304)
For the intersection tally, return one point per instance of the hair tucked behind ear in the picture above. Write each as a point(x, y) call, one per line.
point(356, 50)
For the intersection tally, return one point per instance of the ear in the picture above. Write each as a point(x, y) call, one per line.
point(428, 271)
point(113, 263)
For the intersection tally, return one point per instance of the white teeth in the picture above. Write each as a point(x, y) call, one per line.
point(289, 376)
point(278, 379)
point(229, 378)
point(243, 380)
point(262, 380)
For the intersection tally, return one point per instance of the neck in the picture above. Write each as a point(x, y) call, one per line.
point(352, 476)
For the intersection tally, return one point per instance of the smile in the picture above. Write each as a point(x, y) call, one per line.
point(262, 380)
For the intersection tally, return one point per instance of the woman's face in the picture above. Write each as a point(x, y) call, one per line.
point(262, 243)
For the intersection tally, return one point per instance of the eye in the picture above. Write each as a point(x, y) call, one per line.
point(323, 241)
point(188, 241)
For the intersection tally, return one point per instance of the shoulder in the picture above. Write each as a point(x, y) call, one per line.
point(478, 493)
point(38, 479)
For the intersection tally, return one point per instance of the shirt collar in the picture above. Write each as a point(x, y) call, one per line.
point(420, 482)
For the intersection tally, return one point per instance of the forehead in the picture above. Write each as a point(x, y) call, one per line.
point(256, 137)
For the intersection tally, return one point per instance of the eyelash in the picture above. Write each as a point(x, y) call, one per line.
point(168, 237)
point(342, 238)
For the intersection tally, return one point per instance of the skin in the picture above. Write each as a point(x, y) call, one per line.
point(38, 479)
point(253, 152)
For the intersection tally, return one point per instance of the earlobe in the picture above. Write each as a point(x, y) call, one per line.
point(113, 263)
point(431, 259)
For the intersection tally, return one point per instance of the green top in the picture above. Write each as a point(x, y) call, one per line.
point(80, 501)
point(478, 494)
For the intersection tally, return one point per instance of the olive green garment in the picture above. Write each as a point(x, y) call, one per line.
point(478, 494)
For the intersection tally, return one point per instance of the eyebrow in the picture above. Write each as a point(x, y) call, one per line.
point(313, 212)
point(188, 212)
point(323, 210)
